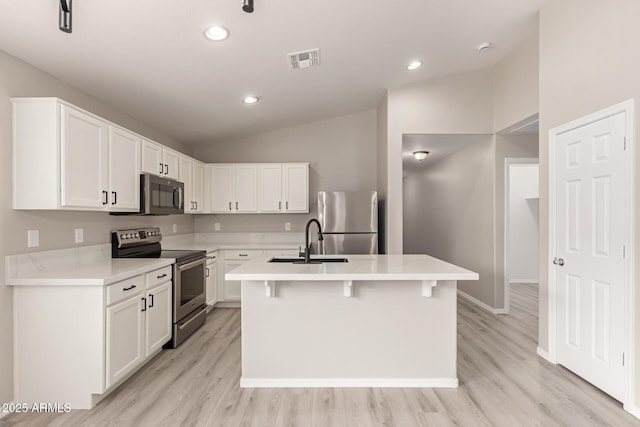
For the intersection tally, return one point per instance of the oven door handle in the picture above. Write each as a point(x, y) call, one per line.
point(202, 261)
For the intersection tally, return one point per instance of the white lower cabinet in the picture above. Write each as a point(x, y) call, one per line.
point(212, 278)
point(75, 344)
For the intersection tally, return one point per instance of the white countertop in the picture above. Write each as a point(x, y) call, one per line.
point(97, 273)
point(211, 247)
point(359, 267)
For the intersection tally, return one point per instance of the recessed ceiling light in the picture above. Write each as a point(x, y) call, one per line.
point(414, 65)
point(251, 100)
point(216, 33)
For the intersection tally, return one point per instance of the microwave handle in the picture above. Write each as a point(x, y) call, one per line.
point(180, 201)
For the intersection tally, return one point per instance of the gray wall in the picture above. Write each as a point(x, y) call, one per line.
point(448, 213)
point(56, 228)
point(589, 60)
point(341, 153)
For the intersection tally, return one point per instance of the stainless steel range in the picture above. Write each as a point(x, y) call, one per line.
point(189, 308)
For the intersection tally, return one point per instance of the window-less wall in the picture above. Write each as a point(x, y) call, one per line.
point(341, 153)
point(523, 223)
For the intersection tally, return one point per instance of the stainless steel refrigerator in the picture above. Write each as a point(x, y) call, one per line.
point(349, 221)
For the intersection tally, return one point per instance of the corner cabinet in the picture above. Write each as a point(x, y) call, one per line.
point(259, 188)
point(67, 158)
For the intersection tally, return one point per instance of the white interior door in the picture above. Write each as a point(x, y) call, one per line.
point(590, 244)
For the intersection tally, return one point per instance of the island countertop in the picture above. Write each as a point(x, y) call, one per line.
point(359, 267)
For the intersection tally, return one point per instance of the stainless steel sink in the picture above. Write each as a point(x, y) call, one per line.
point(301, 260)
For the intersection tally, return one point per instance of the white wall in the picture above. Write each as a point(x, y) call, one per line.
point(56, 228)
point(342, 156)
point(448, 214)
point(523, 223)
point(589, 59)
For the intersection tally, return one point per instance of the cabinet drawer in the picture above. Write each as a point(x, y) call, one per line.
point(159, 276)
point(125, 289)
point(240, 254)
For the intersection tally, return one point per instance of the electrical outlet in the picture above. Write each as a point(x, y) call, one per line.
point(33, 238)
point(216, 226)
point(287, 226)
point(175, 228)
point(79, 235)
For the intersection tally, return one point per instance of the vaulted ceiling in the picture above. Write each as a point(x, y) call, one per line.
point(150, 59)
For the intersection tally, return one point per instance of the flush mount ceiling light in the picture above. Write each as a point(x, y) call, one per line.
point(420, 155)
point(414, 65)
point(483, 47)
point(216, 33)
point(251, 99)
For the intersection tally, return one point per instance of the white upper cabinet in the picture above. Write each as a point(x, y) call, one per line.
point(186, 177)
point(233, 188)
point(160, 160)
point(192, 175)
point(284, 187)
point(84, 160)
point(124, 169)
point(67, 158)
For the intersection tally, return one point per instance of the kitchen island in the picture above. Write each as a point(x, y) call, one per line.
point(374, 321)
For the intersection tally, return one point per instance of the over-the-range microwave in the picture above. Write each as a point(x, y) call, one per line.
point(159, 196)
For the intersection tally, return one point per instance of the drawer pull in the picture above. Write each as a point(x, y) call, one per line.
point(129, 288)
point(162, 275)
point(243, 254)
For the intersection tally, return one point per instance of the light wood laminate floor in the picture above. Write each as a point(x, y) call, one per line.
point(502, 383)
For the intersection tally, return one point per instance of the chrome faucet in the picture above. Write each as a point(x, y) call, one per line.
point(307, 245)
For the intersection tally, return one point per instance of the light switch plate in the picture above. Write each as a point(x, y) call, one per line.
point(216, 226)
point(175, 228)
point(287, 226)
point(33, 238)
point(79, 235)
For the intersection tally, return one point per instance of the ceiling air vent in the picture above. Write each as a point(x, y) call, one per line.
point(305, 59)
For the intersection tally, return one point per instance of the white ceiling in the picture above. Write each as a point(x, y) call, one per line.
point(438, 146)
point(149, 58)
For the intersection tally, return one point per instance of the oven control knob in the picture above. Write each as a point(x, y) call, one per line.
point(122, 236)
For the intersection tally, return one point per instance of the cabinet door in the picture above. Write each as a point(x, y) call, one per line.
point(83, 154)
point(158, 317)
point(124, 170)
point(197, 194)
point(125, 339)
point(152, 161)
point(212, 282)
point(271, 188)
point(231, 287)
point(221, 182)
point(186, 177)
point(171, 161)
point(246, 188)
point(296, 187)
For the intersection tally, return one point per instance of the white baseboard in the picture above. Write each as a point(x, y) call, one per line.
point(633, 410)
point(481, 304)
point(545, 355)
point(348, 382)
point(523, 282)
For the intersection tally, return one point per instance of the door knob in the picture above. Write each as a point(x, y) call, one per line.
point(558, 261)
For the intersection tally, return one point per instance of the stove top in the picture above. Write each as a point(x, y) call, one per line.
point(145, 243)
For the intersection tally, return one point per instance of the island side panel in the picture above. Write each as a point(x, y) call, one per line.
point(310, 334)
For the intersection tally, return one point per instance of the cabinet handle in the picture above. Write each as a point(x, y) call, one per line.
point(161, 168)
point(196, 205)
point(129, 288)
point(162, 275)
point(106, 196)
point(287, 205)
point(150, 300)
point(229, 205)
point(166, 169)
point(115, 197)
point(236, 205)
point(144, 300)
point(279, 205)
point(206, 274)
